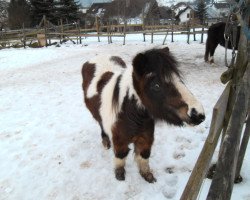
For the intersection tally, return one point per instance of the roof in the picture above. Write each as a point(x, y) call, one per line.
point(221, 5)
point(96, 7)
point(179, 5)
point(165, 12)
point(182, 11)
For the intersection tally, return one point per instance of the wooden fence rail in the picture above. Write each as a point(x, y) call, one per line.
point(62, 32)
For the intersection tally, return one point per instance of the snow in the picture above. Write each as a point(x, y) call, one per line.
point(51, 146)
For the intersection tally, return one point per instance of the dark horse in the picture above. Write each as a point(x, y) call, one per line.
point(215, 36)
point(126, 101)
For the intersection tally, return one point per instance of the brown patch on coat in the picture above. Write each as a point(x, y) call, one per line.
point(94, 103)
point(134, 125)
point(119, 61)
point(88, 71)
point(103, 81)
point(116, 92)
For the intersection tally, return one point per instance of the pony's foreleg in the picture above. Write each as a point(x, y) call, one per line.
point(105, 139)
point(142, 154)
point(211, 52)
point(121, 151)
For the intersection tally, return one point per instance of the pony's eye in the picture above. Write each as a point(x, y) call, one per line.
point(156, 87)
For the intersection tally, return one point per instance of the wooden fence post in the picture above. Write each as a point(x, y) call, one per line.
point(243, 148)
point(172, 28)
point(188, 32)
point(61, 38)
point(124, 31)
point(24, 37)
point(97, 27)
point(194, 34)
point(85, 27)
point(202, 30)
point(165, 38)
point(45, 29)
point(79, 31)
point(111, 31)
point(143, 25)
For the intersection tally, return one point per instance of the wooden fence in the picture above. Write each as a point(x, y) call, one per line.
point(73, 32)
point(229, 116)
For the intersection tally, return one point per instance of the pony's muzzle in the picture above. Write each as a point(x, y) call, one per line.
point(195, 117)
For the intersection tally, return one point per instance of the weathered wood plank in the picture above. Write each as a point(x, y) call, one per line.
point(243, 146)
point(201, 167)
point(223, 180)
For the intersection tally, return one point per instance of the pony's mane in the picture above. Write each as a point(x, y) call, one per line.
point(165, 59)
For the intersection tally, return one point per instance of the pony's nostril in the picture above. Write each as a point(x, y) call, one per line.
point(202, 117)
point(193, 113)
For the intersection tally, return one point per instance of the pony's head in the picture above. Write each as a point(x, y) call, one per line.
point(161, 90)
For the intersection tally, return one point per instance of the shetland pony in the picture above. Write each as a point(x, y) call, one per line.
point(215, 36)
point(126, 101)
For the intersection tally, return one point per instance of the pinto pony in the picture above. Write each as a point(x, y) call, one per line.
point(215, 36)
point(126, 101)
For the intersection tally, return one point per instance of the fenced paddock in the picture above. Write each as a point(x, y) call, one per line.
point(47, 136)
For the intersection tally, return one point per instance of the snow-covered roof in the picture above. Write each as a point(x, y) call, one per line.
point(169, 3)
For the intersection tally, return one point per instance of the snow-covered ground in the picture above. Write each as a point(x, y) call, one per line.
point(50, 146)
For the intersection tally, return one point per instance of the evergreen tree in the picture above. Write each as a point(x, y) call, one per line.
point(69, 10)
point(201, 11)
point(3, 14)
point(19, 14)
point(42, 8)
point(54, 10)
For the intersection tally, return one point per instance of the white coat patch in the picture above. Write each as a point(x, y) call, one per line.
point(187, 96)
point(107, 112)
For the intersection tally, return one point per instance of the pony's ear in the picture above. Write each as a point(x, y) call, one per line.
point(165, 49)
point(139, 64)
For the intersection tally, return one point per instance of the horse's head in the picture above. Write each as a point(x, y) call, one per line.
point(157, 82)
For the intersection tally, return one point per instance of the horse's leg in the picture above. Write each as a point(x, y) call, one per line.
point(207, 50)
point(121, 151)
point(105, 139)
point(211, 52)
point(143, 146)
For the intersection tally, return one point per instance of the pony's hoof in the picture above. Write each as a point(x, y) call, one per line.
point(211, 62)
point(149, 177)
point(120, 174)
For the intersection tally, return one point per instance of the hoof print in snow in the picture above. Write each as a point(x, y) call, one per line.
point(85, 165)
point(169, 194)
point(120, 174)
point(179, 155)
point(169, 170)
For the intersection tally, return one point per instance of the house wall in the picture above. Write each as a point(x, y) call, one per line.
point(183, 16)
